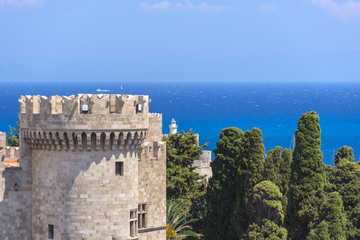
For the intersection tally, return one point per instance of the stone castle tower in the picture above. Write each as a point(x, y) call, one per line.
point(91, 167)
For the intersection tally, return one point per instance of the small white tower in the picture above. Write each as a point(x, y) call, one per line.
point(173, 127)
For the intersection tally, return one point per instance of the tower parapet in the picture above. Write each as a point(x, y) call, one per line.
point(85, 111)
point(85, 122)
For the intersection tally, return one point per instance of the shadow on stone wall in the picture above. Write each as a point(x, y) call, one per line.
point(15, 203)
point(79, 193)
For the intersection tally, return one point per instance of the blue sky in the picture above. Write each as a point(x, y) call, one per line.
point(227, 40)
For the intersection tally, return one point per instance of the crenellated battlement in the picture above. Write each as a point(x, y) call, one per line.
point(84, 104)
point(84, 112)
point(152, 150)
point(12, 157)
point(155, 115)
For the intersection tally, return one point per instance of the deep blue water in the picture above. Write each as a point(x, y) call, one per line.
point(209, 107)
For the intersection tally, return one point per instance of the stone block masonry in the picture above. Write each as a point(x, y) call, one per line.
point(91, 167)
point(202, 165)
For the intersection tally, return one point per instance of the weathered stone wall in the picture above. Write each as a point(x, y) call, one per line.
point(79, 193)
point(2, 140)
point(202, 165)
point(152, 176)
point(15, 199)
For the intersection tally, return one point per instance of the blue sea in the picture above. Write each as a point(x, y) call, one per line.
point(207, 108)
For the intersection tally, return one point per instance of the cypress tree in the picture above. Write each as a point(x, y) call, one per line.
point(272, 165)
point(221, 188)
point(250, 172)
point(277, 170)
point(285, 171)
point(332, 211)
point(307, 179)
point(265, 203)
point(346, 178)
point(253, 154)
point(332, 224)
point(268, 230)
point(344, 152)
point(267, 213)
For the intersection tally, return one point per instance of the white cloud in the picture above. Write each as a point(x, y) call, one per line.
point(178, 6)
point(346, 11)
point(269, 8)
point(21, 3)
point(214, 8)
point(162, 6)
point(186, 5)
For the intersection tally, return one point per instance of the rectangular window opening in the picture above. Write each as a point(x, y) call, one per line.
point(133, 223)
point(119, 168)
point(143, 220)
point(139, 108)
point(50, 231)
point(142, 215)
point(84, 108)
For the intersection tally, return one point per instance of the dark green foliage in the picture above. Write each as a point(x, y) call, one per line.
point(266, 213)
point(332, 211)
point(327, 168)
point(346, 178)
point(268, 230)
point(277, 170)
point(353, 223)
point(181, 181)
point(250, 172)
point(344, 152)
point(253, 153)
point(332, 219)
point(247, 196)
point(285, 171)
point(321, 232)
point(307, 179)
point(265, 203)
point(221, 188)
point(272, 165)
point(13, 139)
point(182, 149)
